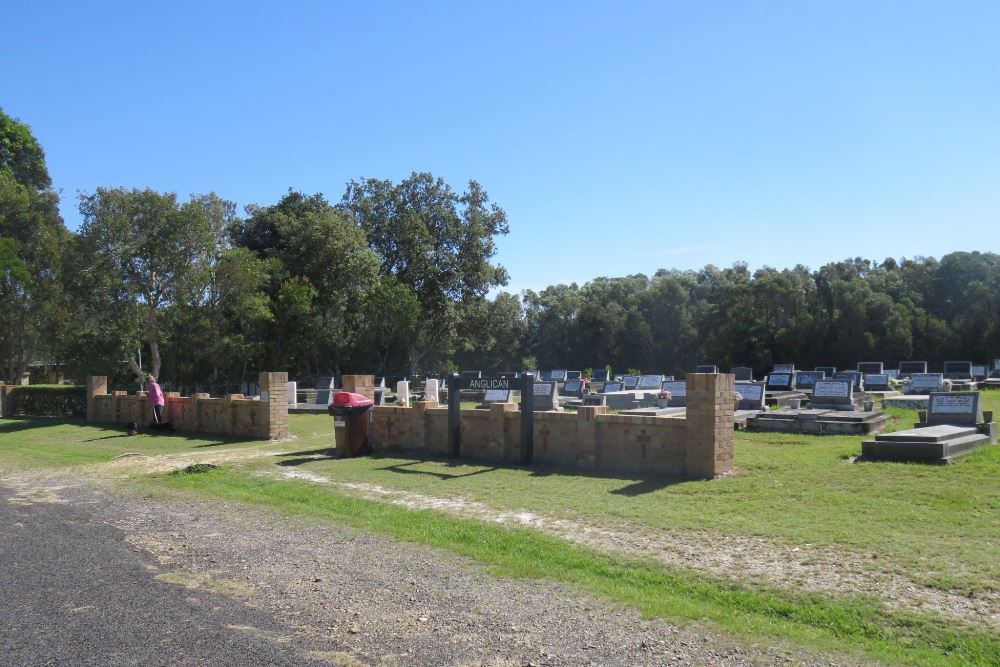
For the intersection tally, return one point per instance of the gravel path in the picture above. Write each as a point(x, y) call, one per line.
point(349, 598)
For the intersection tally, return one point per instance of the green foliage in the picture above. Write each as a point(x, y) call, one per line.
point(48, 401)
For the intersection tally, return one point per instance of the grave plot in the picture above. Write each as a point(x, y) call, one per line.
point(955, 425)
point(917, 392)
point(908, 368)
point(833, 412)
point(959, 373)
point(880, 385)
point(993, 381)
point(781, 387)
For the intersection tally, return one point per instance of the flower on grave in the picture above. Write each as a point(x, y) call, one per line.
point(664, 395)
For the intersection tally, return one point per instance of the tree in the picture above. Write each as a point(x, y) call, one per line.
point(159, 252)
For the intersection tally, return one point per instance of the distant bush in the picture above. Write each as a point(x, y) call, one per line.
point(48, 401)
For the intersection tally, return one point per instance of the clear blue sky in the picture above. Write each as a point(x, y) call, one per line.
point(619, 137)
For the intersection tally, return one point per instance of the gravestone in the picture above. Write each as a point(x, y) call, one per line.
point(600, 375)
point(496, 396)
point(893, 373)
point(574, 375)
point(678, 392)
point(870, 367)
point(649, 382)
point(979, 373)
point(324, 390)
point(558, 375)
point(784, 369)
point(403, 393)
point(833, 394)
point(610, 387)
point(908, 368)
point(856, 378)
point(707, 368)
point(751, 395)
point(293, 393)
point(432, 390)
point(829, 370)
point(546, 398)
point(380, 382)
point(780, 382)
point(630, 381)
point(472, 374)
point(545, 376)
point(959, 408)
point(877, 382)
point(743, 374)
point(573, 388)
point(925, 383)
point(958, 370)
point(806, 379)
point(595, 400)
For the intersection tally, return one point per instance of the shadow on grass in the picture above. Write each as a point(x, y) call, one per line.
point(15, 424)
point(404, 469)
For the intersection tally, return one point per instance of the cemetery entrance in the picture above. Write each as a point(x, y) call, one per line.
point(526, 385)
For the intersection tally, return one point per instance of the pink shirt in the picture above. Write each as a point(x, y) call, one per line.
point(155, 394)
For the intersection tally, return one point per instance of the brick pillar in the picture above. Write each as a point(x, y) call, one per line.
point(359, 384)
point(275, 414)
point(588, 445)
point(97, 385)
point(709, 424)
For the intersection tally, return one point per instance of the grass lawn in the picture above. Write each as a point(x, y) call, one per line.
point(938, 525)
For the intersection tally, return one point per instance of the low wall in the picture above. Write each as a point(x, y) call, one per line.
point(233, 415)
point(699, 446)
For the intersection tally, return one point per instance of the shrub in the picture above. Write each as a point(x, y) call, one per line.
point(48, 401)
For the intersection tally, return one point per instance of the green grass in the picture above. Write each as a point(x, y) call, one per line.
point(828, 624)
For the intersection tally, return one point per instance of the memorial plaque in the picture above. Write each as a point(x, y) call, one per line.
point(870, 367)
point(954, 408)
point(743, 374)
point(784, 369)
point(677, 388)
point(833, 389)
point(649, 382)
point(559, 375)
point(600, 375)
point(573, 388)
point(877, 381)
point(829, 370)
point(545, 398)
point(925, 383)
point(806, 379)
point(707, 368)
point(893, 373)
point(751, 395)
point(574, 375)
point(979, 372)
point(779, 380)
point(543, 389)
point(595, 400)
point(958, 370)
point(856, 378)
point(545, 376)
point(497, 396)
point(630, 381)
point(610, 387)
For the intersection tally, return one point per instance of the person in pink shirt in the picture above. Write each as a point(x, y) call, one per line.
point(156, 399)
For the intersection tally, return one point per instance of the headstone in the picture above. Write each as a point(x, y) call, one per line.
point(630, 381)
point(678, 392)
point(780, 382)
point(472, 374)
point(610, 387)
point(380, 381)
point(857, 379)
point(979, 373)
point(600, 375)
point(925, 383)
point(558, 375)
point(908, 368)
point(497, 396)
point(954, 408)
point(432, 390)
point(958, 370)
point(806, 379)
point(743, 374)
point(595, 399)
point(877, 382)
point(649, 382)
point(829, 370)
point(870, 367)
point(784, 369)
point(293, 393)
point(834, 393)
point(668, 378)
point(324, 390)
point(893, 373)
point(573, 388)
point(751, 395)
point(545, 396)
point(707, 368)
point(574, 375)
point(403, 393)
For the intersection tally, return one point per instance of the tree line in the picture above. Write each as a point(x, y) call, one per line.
point(400, 279)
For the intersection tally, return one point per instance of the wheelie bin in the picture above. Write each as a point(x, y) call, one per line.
point(351, 415)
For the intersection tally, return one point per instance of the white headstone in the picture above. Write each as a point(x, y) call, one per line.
point(403, 393)
point(293, 391)
point(431, 390)
point(677, 388)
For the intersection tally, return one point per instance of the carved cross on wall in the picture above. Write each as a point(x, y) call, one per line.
point(643, 439)
point(545, 433)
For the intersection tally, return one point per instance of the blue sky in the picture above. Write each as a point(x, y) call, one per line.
point(619, 137)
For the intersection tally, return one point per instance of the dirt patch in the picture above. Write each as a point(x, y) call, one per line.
point(753, 561)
